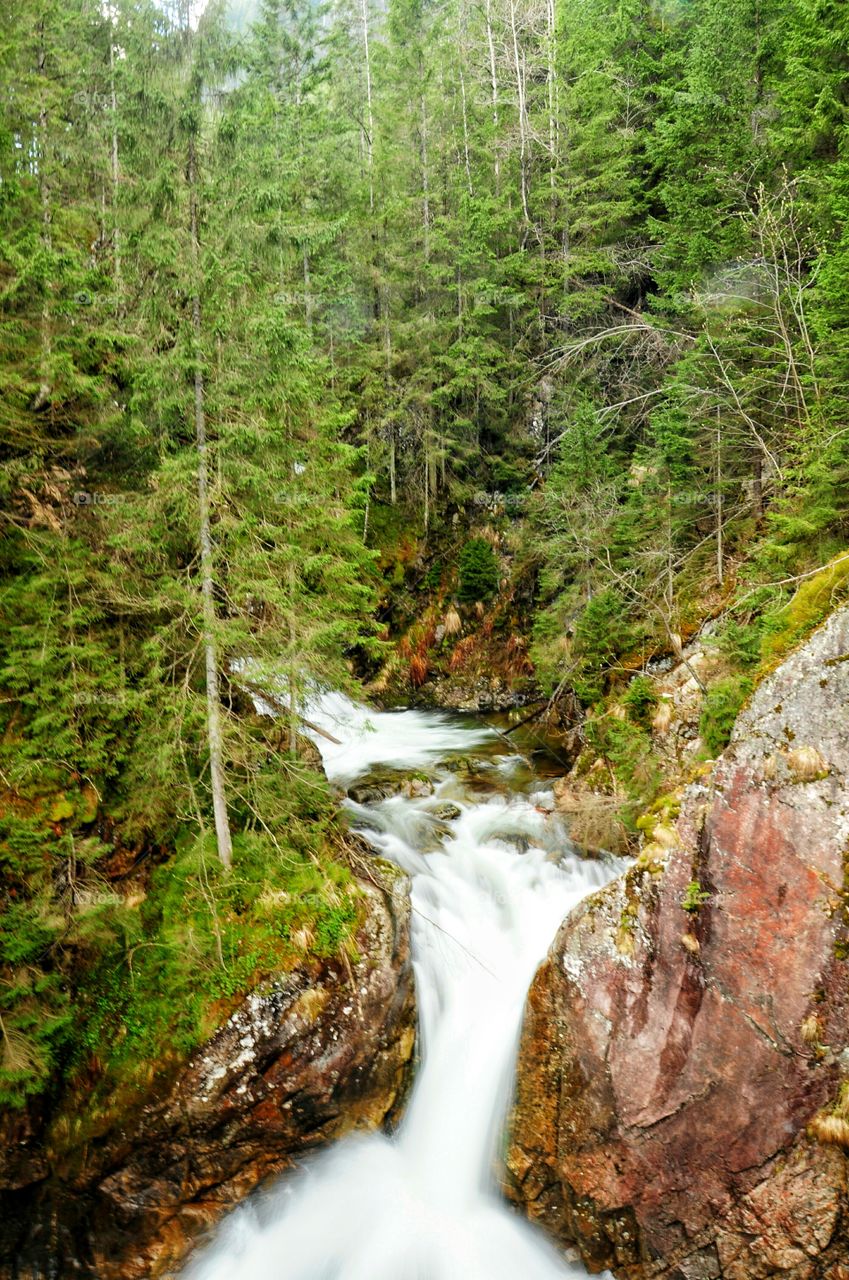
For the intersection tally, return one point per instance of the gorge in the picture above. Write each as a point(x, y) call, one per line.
point(424, 564)
point(489, 885)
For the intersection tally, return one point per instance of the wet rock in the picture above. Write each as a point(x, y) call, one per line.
point(446, 812)
point(322, 1051)
point(418, 788)
point(664, 1091)
point(483, 694)
point(370, 793)
point(383, 783)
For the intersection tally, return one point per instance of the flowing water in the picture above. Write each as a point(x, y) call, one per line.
point(492, 877)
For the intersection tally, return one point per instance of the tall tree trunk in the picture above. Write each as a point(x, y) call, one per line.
point(758, 485)
point(425, 180)
point(369, 109)
point(45, 334)
point(213, 700)
point(720, 515)
point(553, 112)
point(387, 354)
point(519, 63)
point(393, 496)
point(463, 103)
point(116, 174)
point(493, 85)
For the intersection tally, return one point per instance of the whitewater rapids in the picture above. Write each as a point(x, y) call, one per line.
point(489, 889)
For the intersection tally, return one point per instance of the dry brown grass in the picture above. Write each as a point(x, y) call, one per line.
point(830, 1129)
point(463, 650)
point(518, 662)
point(595, 823)
point(418, 670)
point(807, 764)
point(452, 623)
point(662, 717)
point(810, 1029)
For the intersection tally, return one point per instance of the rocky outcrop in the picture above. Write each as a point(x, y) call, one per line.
point(324, 1050)
point(480, 694)
point(679, 1109)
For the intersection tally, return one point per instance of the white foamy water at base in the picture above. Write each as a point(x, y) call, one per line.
point(487, 901)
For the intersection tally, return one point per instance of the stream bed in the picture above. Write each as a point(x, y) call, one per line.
point(493, 874)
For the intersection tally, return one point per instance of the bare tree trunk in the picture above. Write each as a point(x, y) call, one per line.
point(45, 336)
point(307, 289)
point(116, 174)
point(720, 549)
point(393, 497)
point(213, 701)
point(369, 109)
point(553, 139)
point(519, 64)
point(426, 484)
point(387, 353)
point(459, 301)
point(462, 64)
point(425, 181)
point(758, 486)
point(493, 81)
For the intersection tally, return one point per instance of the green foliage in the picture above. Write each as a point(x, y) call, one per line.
point(602, 633)
point(610, 308)
point(433, 577)
point(202, 936)
point(479, 573)
point(88, 976)
point(695, 897)
point(740, 643)
point(640, 700)
point(722, 703)
point(812, 602)
point(628, 749)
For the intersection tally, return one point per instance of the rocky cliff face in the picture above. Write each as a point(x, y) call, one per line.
point(321, 1052)
point(681, 1109)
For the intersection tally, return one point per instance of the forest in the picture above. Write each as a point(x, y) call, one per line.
point(352, 343)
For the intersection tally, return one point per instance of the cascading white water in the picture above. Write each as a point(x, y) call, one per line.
point(487, 897)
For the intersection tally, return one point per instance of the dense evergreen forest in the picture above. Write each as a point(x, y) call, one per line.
point(353, 342)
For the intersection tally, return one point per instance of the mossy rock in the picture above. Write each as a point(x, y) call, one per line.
point(812, 603)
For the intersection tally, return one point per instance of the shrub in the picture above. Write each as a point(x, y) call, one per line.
point(433, 577)
point(640, 700)
point(721, 706)
point(628, 750)
point(741, 643)
point(602, 633)
point(478, 571)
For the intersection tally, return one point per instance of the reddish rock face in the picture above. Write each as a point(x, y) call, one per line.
point(672, 1060)
point(324, 1051)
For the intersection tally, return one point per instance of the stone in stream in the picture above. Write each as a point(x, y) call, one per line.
point(380, 784)
point(681, 1107)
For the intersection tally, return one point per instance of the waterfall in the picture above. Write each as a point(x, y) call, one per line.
point(493, 875)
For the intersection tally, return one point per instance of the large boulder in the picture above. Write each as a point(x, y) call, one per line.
point(679, 1109)
point(324, 1050)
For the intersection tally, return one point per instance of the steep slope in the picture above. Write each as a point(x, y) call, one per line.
point(682, 1083)
point(322, 1051)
